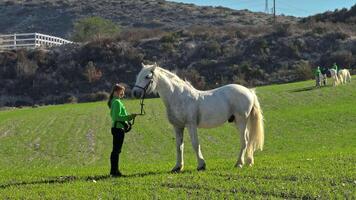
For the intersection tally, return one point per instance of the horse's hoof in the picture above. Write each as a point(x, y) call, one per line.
point(238, 165)
point(250, 162)
point(177, 169)
point(202, 168)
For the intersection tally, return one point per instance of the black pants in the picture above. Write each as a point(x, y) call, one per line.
point(118, 139)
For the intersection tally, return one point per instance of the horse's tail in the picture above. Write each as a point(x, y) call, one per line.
point(255, 127)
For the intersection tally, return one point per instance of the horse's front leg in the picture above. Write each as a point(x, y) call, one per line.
point(196, 146)
point(180, 148)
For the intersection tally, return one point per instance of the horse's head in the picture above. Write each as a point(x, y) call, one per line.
point(145, 81)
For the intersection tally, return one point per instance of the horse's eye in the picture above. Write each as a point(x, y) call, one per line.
point(149, 76)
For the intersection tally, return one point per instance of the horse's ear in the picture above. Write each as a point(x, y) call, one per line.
point(143, 65)
point(154, 68)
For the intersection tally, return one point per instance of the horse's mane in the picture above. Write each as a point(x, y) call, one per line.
point(174, 78)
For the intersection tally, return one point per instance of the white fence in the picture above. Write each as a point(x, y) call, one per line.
point(30, 40)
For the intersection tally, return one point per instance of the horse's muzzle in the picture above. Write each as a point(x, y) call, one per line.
point(137, 93)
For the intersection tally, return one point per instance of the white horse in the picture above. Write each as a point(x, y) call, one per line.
point(334, 77)
point(344, 76)
point(190, 108)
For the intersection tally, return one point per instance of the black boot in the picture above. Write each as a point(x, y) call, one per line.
point(114, 160)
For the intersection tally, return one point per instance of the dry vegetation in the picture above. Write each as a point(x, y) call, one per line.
point(208, 54)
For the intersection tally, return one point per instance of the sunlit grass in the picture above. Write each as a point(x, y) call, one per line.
point(62, 152)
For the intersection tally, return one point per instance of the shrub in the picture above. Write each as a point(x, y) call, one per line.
point(96, 96)
point(24, 67)
point(320, 30)
point(282, 30)
point(137, 34)
point(213, 49)
point(59, 99)
point(303, 70)
point(92, 73)
point(240, 34)
point(133, 55)
point(69, 98)
point(168, 47)
point(94, 27)
point(15, 101)
point(170, 38)
point(336, 36)
point(342, 57)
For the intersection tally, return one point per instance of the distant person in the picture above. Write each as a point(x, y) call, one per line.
point(335, 67)
point(324, 75)
point(119, 117)
point(317, 74)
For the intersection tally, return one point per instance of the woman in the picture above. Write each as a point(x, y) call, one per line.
point(119, 117)
point(317, 74)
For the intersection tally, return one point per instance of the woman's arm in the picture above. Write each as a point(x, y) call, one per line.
point(119, 113)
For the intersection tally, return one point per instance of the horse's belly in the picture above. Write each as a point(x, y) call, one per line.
point(213, 114)
point(211, 122)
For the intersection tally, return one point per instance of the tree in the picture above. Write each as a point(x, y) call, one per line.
point(92, 28)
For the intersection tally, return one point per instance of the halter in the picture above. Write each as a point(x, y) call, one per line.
point(144, 94)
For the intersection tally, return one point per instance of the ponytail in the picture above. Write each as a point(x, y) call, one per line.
point(110, 98)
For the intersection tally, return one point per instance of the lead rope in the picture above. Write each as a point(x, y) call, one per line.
point(142, 99)
point(142, 109)
point(142, 106)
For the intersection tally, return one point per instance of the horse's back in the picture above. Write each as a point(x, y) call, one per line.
point(231, 88)
point(231, 92)
point(217, 105)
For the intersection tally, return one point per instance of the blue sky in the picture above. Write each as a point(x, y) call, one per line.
point(299, 8)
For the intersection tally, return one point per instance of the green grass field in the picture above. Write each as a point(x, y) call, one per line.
point(62, 152)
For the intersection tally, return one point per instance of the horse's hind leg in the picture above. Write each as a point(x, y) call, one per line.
point(336, 81)
point(341, 79)
point(196, 146)
point(241, 122)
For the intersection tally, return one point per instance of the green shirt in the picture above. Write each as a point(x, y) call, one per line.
point(336, 67)
point(317, 72)
point(118, 113)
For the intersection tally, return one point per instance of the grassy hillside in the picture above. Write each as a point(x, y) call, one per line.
point(62, 152)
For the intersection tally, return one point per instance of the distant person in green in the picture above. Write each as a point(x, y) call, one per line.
point(317, 76)
point(336, 67)
point(119, 117)
point(324, 75)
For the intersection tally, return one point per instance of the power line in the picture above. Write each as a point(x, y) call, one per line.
point(255, 5)
point(245, 1)
point(294, 7)
point(249, 3)
point(283, 9)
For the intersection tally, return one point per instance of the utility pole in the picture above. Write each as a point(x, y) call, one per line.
point(266, 7)
point(274, 10)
